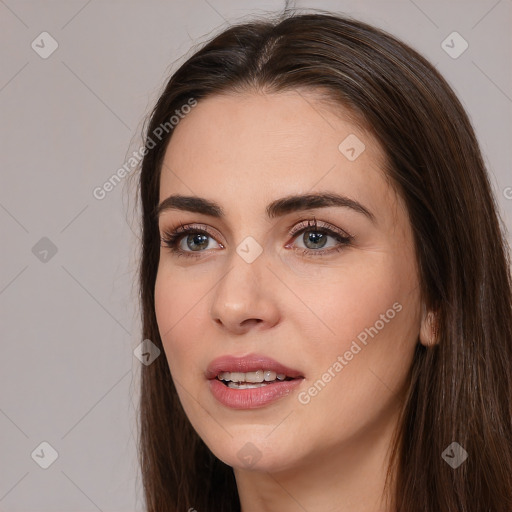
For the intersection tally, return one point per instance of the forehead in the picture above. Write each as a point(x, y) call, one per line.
point(247, 148)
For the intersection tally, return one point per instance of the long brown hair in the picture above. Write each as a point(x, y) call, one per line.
point(460, 390)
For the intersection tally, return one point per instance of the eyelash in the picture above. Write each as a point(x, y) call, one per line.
point(171, 239)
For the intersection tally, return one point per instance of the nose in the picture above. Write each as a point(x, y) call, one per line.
point(245, 297)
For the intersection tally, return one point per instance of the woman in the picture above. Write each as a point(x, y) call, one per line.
point(325, 271)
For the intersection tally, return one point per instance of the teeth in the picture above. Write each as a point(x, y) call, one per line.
point(254, 376)
point(237, 377)
point(257, 377)
point(235, 385)
point(270, 375)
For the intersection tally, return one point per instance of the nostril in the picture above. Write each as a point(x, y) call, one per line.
point(251, 321)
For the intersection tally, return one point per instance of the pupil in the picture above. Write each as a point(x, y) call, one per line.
point(316, 238)
point(198, 239)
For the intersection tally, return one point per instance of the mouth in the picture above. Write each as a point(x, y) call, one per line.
point(250, 380)
point(251, 371)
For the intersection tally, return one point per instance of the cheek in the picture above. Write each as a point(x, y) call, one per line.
point(369, 312)
point(179, 309)
point(344, 303)
point(181, 313)
point(361, 358)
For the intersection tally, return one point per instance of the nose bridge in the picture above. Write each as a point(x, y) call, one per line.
point(246, 264)
point(242, 280)
point(241, 294)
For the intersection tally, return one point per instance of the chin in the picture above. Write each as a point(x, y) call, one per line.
point(253, 452)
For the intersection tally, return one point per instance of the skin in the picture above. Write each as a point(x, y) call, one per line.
point(243, 151)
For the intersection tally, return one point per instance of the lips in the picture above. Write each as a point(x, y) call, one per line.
point(246, 395)
point(249, 363)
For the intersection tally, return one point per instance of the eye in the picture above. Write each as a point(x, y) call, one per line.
point(315, 238)
point(194, 239)
point(189, 239)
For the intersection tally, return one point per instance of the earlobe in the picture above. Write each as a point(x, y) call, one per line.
point(429, 330)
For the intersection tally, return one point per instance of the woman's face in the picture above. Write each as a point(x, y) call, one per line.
point(337, 303)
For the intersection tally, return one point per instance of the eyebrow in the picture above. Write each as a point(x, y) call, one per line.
point(276, 208)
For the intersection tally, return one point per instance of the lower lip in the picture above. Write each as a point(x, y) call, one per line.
point(252, 398)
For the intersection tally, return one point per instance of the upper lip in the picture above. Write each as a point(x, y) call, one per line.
point(248, 363)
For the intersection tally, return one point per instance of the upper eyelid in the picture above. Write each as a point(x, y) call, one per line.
point(187, 227)
point(308, 224)
point(296, 228)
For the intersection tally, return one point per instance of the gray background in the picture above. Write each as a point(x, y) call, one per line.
point(69, 321)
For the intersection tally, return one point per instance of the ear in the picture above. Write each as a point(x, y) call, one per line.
point(429, 328)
